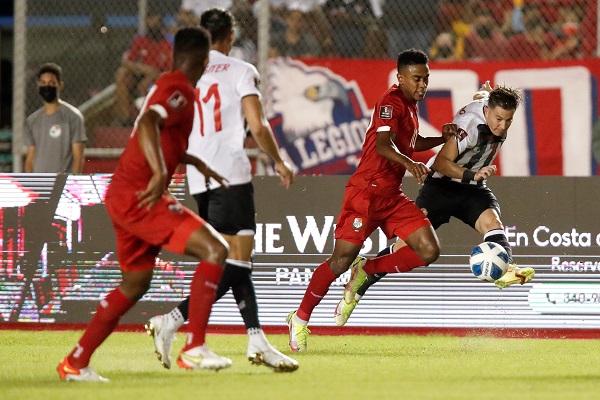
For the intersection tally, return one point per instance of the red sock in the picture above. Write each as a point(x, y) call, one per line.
point(202, 296)
point(108, 313)
point(403, 260)
point(318, 287)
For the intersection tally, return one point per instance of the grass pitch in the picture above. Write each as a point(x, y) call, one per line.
point(336, 367)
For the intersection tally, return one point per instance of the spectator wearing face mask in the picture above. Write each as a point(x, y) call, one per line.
point(149, 55)
point(54, 134)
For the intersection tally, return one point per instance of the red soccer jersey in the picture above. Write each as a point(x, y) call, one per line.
point(396, 113)
point(156, 54)
point(172, 96)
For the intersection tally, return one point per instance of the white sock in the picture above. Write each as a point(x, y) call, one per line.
point(176, 318)
point(299, 321)
point(257, 337)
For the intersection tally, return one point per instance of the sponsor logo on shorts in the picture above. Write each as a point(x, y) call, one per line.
point(357, 224)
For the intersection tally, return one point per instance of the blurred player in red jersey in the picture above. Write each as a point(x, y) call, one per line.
point(374, 197)
point(229, 87)
point(146, 217)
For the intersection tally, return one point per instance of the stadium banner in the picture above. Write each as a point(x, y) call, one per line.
point(57, 257)
point(320, 109)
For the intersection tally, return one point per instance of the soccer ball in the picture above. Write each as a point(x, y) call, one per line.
point(488, 261)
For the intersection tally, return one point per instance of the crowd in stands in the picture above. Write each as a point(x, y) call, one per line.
point(452, 30)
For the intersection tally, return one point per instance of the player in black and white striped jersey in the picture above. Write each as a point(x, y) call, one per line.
point(456, 186)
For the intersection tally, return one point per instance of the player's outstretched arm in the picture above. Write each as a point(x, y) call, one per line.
point(426, 143)
point(148, 131)
point(205, 169)
point(262, 133)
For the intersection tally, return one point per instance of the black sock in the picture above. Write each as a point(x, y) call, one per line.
point(499, 236)
point(183, 307)
point(245, 297)
point(373, 279)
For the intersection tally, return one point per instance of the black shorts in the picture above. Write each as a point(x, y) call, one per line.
point(443, 199)
point(229, 211)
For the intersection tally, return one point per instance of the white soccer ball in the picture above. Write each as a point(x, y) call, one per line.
point(488, 261)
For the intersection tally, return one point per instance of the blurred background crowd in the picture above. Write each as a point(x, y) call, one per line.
point(112, 50)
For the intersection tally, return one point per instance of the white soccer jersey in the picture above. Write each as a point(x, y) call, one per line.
point(218, 133)
point(477, 145)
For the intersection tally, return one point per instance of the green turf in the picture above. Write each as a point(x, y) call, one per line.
point(336, 367)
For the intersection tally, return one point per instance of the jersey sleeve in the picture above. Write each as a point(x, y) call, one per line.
point(77, 127)
point(387, 114)
point(170, 101)
point(249, 81)
point(467, 134)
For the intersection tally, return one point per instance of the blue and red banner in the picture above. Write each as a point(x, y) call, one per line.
point(320, 108)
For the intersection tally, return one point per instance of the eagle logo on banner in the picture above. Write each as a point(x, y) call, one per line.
point(318, 117)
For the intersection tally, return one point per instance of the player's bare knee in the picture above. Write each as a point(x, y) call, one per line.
point(135, 289)
point(339, 265)
point(429, 253)
point(216, 252)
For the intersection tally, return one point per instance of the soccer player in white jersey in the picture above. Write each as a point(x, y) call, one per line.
point(229, 98)
point(456, 186)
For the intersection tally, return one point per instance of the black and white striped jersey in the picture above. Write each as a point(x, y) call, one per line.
point(477, 145)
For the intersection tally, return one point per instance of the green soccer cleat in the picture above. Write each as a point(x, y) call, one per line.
point(357, 278)
point(515, 275)
point(343, 311)
point(298, 333)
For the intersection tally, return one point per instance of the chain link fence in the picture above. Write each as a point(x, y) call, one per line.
point(91, 38)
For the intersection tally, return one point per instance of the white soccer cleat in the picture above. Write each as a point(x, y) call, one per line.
point(201, 357)
point(69, 373)
point(162, 330)
point(269, 356)
point(343, 311)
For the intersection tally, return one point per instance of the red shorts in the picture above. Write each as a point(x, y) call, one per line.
point(363, 212)
point(141, 233)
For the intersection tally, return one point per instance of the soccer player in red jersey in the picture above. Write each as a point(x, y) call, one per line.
point(374, 197)
point(146, 217)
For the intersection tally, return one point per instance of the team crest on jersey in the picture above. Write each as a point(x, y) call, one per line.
point(177, 100)
point(319, 118)
point(55, 131)
point(461, 134)
point(357, 224)
point(385, 112)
